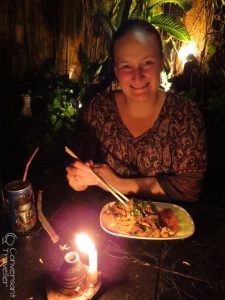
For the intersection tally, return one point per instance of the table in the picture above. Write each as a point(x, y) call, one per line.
point(193, 268)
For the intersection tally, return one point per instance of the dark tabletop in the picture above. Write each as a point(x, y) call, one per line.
point(192, 268)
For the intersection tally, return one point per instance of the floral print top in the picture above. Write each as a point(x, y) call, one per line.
point(173, 149)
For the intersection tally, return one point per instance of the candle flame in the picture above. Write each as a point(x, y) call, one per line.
point(84, 243)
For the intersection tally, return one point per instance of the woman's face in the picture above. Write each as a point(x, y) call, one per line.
point(138, 63)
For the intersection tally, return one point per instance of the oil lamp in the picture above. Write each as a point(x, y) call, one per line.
point(74, 280)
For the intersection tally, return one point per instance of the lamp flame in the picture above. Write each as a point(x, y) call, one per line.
point(84, 243)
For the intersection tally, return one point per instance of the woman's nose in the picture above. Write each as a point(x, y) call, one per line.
point(138, 74)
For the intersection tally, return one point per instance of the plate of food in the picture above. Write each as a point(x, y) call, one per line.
point(146, 220)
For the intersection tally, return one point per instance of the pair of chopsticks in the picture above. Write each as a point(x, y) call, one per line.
point(117, 194)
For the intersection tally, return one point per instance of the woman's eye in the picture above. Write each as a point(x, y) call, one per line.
point(147, 63)
point(126, 67)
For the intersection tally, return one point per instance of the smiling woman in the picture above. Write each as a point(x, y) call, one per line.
point(139, 138)
point(138, 61)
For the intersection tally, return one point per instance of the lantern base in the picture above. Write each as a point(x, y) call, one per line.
point(88, 294)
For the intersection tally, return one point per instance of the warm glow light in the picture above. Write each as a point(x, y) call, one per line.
point(185, 50)
point(86, 245)
point(71, 71)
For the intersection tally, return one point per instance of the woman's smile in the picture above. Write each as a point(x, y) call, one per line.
point(139, 87)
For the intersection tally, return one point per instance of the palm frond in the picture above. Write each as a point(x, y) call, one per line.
point(184, 4)
point(118, 12)
point(136, 10)
point(103, 24)
point(171, 25)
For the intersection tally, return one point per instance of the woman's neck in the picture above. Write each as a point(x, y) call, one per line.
point(142, 109)
point(139, 117)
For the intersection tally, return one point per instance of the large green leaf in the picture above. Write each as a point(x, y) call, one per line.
point(171, 25)
point(118, 11)
point(184, 4)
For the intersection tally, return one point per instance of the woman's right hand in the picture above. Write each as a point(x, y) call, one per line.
point(79, 175)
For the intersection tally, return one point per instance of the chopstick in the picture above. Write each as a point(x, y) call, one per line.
point(117, 194)
point(54, 237)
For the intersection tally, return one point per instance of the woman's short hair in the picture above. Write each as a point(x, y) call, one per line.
point(135, 25)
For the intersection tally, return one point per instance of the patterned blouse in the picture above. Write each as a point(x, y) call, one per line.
point(173, 150)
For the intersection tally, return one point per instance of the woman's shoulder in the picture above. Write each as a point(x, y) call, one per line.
point(102, 98)
point(181, 103)
point(99, 104)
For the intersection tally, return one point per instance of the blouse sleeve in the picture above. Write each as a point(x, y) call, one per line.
point(190, 159)
point(186, 187)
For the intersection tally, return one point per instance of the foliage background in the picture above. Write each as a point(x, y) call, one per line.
point(57, 52)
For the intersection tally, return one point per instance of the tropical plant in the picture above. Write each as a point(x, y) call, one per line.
point(151, 10)
point(70, 96)
point(63, 107)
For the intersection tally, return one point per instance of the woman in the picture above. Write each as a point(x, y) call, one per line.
point(147, 142)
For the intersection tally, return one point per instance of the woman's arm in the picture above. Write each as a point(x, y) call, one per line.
point(184, 187)
point(148, 186)
point(167, 187)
